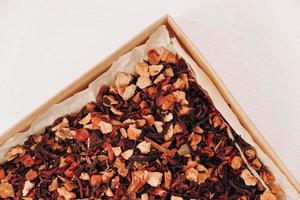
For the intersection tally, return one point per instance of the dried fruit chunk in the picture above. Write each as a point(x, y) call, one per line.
point(142, 69)
point(152, 91)
point(167, 102)
point(138, 180)
point(176, 198)
point(153, 57)
point(203, 176)
point(248, 178)
point(168, 179)
point(2, 174)
point(63, 124)
point(123, 132)
point(217, 121)
point(129, 121)
point(250, 154)
point(236, 162)
point(109, 193)
point(181, 83)
point(105, 127)
point(96, 179)
point(82, 135)
point(184, 110)
point(106, 176)
point(84, 176)
point(144, 196)
point(267, 195)
point(276, 189)
point(168, 117)
point(183, 150)
point(155, 69)
point(198, 129)
point(115, 182)
point(269, 179)
point(86, 119)
point(195, 139)
point(180, 97)
point(14, 153)
point(116, 111)
point(121, 167)
point(54, 185)
point(69, 186)
point(149, 119)
point(144, 147)
point(256, 164)
point(111, 101)
point(127, 154)
point(201, 168)
point(123, 79)
point(154, 178)
point(192, 175)
point(140, 122)
point(159, 79)
point(70, 171)
point(169, 72)
point(117, 150)
point(179, 127)
point(267, 176)
point(27, 161)
point(169, 134)
point(133, 133)
point(62, 191)
point(159, 192)
point(143, 82)
point(27, 187)
point(65, 133)
point(159, 126)
point(163, 52)
point(37, 138)
point(128, 92)
point(6, 190)
point(31, 175)
point(171, 58)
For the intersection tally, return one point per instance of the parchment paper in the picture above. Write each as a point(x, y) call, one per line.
point(126, 64)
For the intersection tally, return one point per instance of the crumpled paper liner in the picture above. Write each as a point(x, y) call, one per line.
point(126, 63)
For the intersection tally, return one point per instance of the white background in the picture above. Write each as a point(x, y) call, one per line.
point(253, 45)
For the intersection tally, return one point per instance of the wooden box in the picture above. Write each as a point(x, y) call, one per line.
point(100, 68)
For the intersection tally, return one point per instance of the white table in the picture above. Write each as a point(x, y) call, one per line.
point(254, 46)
